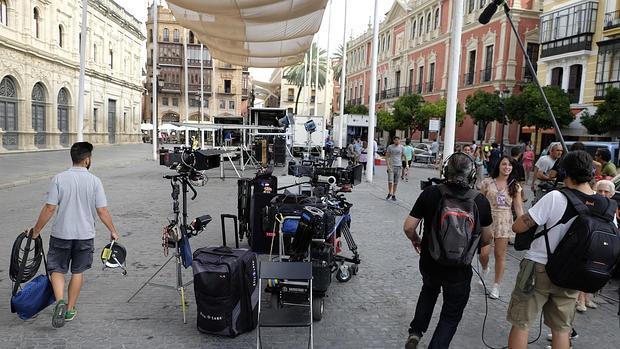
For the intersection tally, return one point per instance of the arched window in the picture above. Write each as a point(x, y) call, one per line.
point(8, 113)
point(61, 34)
point(63, 116)
point(413, 28)
point(35, 22)
point(3, 13)
point(420, 26)
point(437, 18)
point(175, 35)
point(166, 35)
point(428, 22)
point(38, 114)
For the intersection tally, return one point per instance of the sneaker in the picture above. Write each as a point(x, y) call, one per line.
point(393, 197)
point(581, 308)
point(494, 294)
point(573, 335)
point(412, 341)
point(590, 304)
point(58, 317)
point(388, 196)
point(70, 314)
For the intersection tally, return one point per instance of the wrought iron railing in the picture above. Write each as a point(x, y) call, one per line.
point(612, 20)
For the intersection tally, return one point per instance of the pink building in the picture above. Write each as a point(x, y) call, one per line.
point(414, 44)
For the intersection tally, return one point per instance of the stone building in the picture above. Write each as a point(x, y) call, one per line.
point(226, 87)
point(39, 74)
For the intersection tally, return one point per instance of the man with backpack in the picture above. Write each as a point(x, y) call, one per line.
point(574, 248)
point(457, 220)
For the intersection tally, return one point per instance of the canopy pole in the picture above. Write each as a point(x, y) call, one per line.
point(80, 112)
point(453, 78)
point(202, 139)
point(327, 70)
point(155, 73)
point(186, 85)
point(305, 82)
point(309, 91)
point(343, 72)
point(201, 86)
point(316, 80)
point(370, 150)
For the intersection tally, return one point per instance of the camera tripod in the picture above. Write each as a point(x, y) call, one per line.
point(180, 183)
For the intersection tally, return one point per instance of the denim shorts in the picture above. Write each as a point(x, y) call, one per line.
point(78, 253)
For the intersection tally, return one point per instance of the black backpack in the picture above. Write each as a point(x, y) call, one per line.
point(455, 232)
point(585, 258)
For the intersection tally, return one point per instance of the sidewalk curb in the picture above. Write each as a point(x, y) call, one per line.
point(30, 180)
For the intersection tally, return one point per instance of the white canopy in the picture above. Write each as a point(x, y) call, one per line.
point(146, 127)
point(256, 33)
point(168, 127)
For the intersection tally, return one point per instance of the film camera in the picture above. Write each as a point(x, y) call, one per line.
point(185, 159)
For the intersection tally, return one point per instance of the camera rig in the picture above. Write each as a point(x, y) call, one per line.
point(188, 160)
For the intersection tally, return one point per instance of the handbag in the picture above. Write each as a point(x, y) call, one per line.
point(36, 295)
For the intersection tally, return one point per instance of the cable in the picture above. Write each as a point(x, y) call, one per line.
point(32, 263)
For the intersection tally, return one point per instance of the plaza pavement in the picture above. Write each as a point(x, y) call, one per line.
point(372, 310)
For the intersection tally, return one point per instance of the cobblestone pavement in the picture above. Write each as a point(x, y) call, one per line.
point(372, 310)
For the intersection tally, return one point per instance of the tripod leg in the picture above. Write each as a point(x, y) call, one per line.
point(149, 280)
point(183, 304)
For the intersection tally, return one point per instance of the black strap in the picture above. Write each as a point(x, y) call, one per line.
point(579, 206)
point(22, 266)
point(470, 194)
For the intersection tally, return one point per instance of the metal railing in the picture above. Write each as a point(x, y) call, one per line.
point(526, 75)
point(171, 86)
point(486, 75)
point(290, 98)
point(601, 88)
point(196, 62)
point(170, 60)
point(244, 91)
point(196, 88)
point(230, 91)
point(468, 79)
point(612, 20)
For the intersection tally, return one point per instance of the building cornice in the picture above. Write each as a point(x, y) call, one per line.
point(116, 17)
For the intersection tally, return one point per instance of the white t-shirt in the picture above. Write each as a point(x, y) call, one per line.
point(550, 210)
point(545, 164)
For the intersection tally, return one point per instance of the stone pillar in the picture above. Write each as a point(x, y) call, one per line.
point(2, 150)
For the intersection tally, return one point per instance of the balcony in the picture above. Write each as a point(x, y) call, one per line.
point(171, 87)
point(469, 78)
point(244, 92)
point(170, 60)
point(612, 20)
point(207, 63)
point(196, 88)
point(571, 44)
point(486, 75)
point(226, 91)
point(526, 75)
point(223, 65)
point(430, 86)
point(559, 35)
point(290, 98)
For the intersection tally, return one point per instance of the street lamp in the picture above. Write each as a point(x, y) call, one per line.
point(502, 97)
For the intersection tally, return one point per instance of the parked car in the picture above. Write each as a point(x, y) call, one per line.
point(381, 150)
point(422, 153)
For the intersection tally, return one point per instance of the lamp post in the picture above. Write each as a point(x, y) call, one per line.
point(502, 97)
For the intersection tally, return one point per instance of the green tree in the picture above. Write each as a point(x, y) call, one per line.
point(295, 74)
point(356, 109)
point(528, 108)
point(437, 110)
point(385, 121)
point(606, 117)
point(406, 110)
point(484, 108)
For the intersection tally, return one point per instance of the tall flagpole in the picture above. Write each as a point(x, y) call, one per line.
point(80, 112)
point(370, 150)
point(316, 79)
point(309, 80)
point(343, 72)
point(155, 73)
point(453, 77)
point(186, 86)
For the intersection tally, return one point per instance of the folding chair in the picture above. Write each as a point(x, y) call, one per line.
point(298, 315)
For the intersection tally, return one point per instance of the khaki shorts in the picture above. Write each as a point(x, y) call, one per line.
point(556, 303)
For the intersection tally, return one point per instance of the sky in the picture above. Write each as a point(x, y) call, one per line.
point(359, 15)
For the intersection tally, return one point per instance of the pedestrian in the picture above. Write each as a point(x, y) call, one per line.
point(608, 169)
point(479, 162)
point(394, 157)
point(408, 150)
point(453, 281)
point(528, 161)
point(542, 171)
point(474, 146)
point(357, 149)
point(533, 290)
point(434, 149)
point(351, 154)
point(364, 155)
point(515, 157)
point(76, 196)
point(467, 149)
point(504, 193)
point(494, 156)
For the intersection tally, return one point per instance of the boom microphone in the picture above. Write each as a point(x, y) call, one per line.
point(489, 11)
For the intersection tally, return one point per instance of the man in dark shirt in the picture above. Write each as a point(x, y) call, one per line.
point(453, 280)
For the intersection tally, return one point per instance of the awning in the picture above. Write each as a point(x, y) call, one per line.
point(256, 33)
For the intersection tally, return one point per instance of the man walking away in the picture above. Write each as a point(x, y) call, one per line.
point(394, 157)
point(533, 290)
point(437, 275)
point(76, 196)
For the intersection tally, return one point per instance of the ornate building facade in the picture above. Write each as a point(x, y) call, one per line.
point(226, 87)
point(39, 74)
point(414, 44)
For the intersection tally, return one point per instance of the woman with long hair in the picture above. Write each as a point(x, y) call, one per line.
point(503, 191)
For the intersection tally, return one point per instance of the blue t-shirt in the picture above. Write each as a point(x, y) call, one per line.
point(408, 150)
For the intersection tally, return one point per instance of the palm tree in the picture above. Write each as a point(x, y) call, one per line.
point(337, 68)
point(295, 73)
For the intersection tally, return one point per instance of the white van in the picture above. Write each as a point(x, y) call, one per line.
point(591, 147)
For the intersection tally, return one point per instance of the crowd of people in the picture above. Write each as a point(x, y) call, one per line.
point(496, 182)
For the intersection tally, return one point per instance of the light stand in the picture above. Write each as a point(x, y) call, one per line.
point(502, 97)
point(558, 133)
point(183, 179)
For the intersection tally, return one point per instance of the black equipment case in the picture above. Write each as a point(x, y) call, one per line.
point(226, 288)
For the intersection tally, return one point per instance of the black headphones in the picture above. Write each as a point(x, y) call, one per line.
point(471, 176)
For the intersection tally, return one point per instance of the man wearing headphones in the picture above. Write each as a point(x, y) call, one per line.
point(452, 281)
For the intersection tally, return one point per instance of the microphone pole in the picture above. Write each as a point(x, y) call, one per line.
point(484, 19)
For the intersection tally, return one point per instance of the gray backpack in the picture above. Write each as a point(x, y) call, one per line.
point(455, 233)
